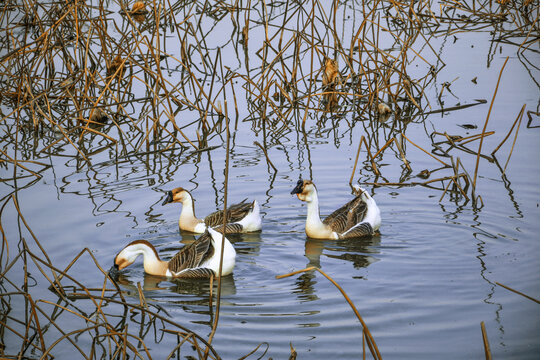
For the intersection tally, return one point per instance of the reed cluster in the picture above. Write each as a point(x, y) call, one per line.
point(103, 79)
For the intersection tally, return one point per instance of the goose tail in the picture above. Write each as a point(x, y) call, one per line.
point(252, 221)
point(373, 213)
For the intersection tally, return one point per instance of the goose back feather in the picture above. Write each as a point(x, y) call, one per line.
point(235, 213)
point(192, 255)
point(347, 216)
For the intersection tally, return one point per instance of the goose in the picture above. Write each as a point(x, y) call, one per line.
point(241, 218)
point(359, 217)
point(199, 259)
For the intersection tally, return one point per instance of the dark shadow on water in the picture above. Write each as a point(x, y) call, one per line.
point(159, 288)
point(357, 251)
point(201, 287)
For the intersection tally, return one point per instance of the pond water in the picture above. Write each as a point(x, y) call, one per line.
point(423, 286)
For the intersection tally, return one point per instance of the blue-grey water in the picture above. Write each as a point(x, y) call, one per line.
point(423, 286)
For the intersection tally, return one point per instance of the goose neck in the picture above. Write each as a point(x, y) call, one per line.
point(152, 263)
point(313, 217)
point(188, 209)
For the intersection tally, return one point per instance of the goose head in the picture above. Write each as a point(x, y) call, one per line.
point(177, 195)
point(305, 190)
point(129, 254)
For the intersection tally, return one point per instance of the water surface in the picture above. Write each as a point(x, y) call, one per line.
point(423, 286)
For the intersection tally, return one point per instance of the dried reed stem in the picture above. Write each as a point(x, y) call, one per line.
point(225, 184)
point(370, 341)
point(518, 292)
point(487, 350)
point(485, 124)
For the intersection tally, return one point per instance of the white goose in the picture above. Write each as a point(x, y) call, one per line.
point(241, 218)
point(199, 259)
point(359, 217)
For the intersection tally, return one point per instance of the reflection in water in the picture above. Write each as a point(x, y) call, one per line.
point(484, 271)
point(187, 237)
point(159, 288)
point(353, 250)
point(201, 287)
point(356, 251)
point(103, 184)
point(194, 294)
point(246, 244)
point(507, 185)
point(305, 287)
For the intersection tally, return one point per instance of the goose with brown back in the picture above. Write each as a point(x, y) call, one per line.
point(199, 259)
point(357, 218)
point(243, 217)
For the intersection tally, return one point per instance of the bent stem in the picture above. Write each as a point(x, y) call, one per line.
point(485, 124)
point(370, 341)
point(218, 295)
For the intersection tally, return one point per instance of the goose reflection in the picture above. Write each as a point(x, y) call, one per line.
point(158, 288)
point(360, 252)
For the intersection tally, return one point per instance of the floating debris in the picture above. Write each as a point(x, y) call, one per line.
point(98, 117)
point(383, 109)
point(424, 174)
point(138, 11)
point(117, 68)
point(331, 72)
point(331, 79)
point(469, 126)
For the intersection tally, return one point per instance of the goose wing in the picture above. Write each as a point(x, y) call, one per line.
point(235, 213)
point(359, 230)
point(233, 228)
point(196, 273)
point(192, 255)
point(347, 216)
